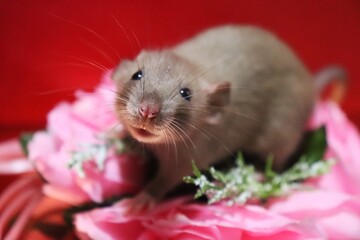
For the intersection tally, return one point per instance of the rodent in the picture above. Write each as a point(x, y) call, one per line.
point(226, 89)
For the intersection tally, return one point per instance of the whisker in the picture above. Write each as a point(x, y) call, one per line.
point(69, 91)
point(127, 36)
point(173, 125)
point(211, 135)
point(100, 51)
point(189, 156)
point(86, 60)
point(114, 128)
point(173, 144)
point(225, 109)
point(206, 71)
point(183, 79)
point(177, 126)
point(53, 65)
point(195, 128)
point(87, 29)
point(136, 39)
point(170, 143)
point(204, 92)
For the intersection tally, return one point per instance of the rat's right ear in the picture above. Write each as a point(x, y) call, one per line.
point(122, 70)
point(218, 97)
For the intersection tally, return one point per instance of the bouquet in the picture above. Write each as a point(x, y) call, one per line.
point(77, 174)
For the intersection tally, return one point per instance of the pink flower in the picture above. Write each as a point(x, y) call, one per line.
point(12, 158)
point(334, 206)
point(78, 134)
point(331, 210)
point(343, 145)
point(336, 215)
point(177, 220)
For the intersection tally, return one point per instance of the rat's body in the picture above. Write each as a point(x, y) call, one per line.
point(228, 89)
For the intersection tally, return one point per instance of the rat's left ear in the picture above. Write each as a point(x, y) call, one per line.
point(218, 97)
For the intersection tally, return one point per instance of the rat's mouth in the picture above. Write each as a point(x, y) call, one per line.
point(143, 134)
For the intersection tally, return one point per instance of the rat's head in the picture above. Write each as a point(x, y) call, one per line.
point(160, 96)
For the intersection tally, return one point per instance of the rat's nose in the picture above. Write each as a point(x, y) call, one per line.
point(149, 110)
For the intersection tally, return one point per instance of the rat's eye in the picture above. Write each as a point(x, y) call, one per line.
point(185, 93)
point(137, 76)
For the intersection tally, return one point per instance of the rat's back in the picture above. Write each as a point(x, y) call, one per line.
point(270, 87)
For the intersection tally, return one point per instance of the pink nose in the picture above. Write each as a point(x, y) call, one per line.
point(149, 110)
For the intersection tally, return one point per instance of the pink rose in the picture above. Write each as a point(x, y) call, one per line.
point(78, 134)
point(331, 210)
point(336, 215)
point(178, 220)
point(343, 145)
point(12, 158)
point(89, 116)
point(334, 206)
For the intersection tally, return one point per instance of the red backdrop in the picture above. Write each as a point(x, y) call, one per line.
point(45, 44)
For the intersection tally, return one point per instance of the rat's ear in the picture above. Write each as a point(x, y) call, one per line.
point(218, 97)
point(121, 71)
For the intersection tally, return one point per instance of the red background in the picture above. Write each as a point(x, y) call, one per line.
point(43, 43)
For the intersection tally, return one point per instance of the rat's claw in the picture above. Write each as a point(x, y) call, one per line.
point(141, 203)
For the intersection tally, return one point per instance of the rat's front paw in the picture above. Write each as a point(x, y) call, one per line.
point(141, 203)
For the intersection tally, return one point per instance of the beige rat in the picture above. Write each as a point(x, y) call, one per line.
point(228, 89)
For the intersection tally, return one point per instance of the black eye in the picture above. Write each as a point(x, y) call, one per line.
point(185, 93)
point(137, 76)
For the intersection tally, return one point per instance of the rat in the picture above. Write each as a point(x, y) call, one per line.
point(230, 88)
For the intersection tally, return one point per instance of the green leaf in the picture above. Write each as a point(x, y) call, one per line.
point(315, 145)
point(24, 139)
point(269, 173)
point(217, 175)
point(242, 182)
point(188, 179)
point(196, 170)
point(199, 193)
